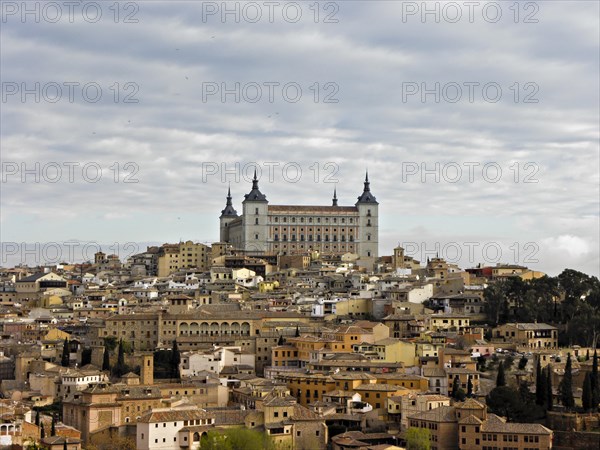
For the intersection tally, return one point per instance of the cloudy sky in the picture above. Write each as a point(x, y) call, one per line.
point(478, 123)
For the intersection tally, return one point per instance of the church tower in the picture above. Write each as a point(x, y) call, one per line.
point(255, 219)
point(227, 215)
point(368, 222)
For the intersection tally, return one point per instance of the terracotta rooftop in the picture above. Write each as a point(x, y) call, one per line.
point(153, 416)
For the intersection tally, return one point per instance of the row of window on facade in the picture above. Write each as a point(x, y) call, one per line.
point(326, 238)
point(310, 219)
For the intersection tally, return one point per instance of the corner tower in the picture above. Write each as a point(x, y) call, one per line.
point(227, 215)
point(255, 219)
point(368, 222)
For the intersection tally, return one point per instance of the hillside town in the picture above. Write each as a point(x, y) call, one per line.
point(292, 332)
point(186, 342)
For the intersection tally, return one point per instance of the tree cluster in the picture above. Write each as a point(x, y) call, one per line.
point(570, 300)
point(236, 439)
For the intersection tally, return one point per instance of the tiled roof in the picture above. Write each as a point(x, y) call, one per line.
point(496, 424)
point(153, 416)
point(471, 420)
point(441, 414)
point(303, 413)
point(379, 387)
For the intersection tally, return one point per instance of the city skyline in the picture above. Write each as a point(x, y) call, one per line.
point(479, 129)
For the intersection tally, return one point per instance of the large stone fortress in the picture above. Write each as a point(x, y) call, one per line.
point(292, 229)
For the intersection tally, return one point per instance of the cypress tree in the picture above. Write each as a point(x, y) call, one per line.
point(42, 432)
point(523, 362)
point(543, 396)
point(53, 426)
point(501, 377)
point(297, 331)
point(566, 386)
point(175, 360)
point(106, 359)
point(64, 361)
point(470, 387)
point(586, 396)
point(37, 418)
point(595, 385)
point(281, 341)
point(455, 387)
point(550, 393)
point(587, 355)
point(120, 367)
point(540, 394)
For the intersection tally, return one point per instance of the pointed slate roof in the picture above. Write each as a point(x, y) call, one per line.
point(366, 196)
point(255, 195)
point(229, 211)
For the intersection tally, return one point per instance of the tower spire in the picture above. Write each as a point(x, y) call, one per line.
point(229, 195)
point(366, 196)
point(255, 194)
point(229, 210)
point(335, 200)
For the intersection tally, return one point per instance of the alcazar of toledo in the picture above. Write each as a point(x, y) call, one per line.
point(294, 229)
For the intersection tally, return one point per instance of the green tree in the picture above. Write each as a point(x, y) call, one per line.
point(481, 362)
point(501, 377)
point(64, 360)
point(42, 431)
point(549, 390)
point(120, 368)
point(53, 426)
point(86, 356)
point(516, 406)
point(523, 362)
point(455, 386)
point(297, 334)
point(175, 360)
point(495, 301)
point(417, 439)
point(566, 386)
point(595, 385)
point(470, 387)
point(239, 439)
point(508, 362)
point(541, 391)
point(586, 395)
point(106, 359)
point(37, 418)
point(111, 343)
point(215, 440)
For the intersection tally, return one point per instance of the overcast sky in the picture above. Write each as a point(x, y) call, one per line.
point(478, 123)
